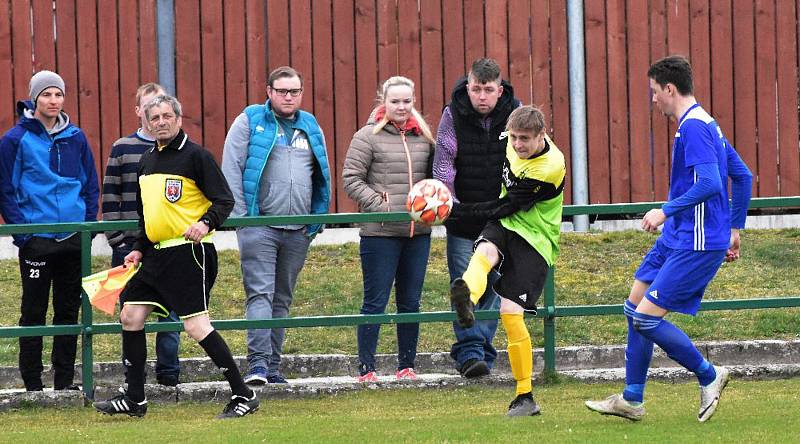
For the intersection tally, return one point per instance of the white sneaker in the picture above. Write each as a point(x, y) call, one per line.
point(709, 395)
point(617, 405)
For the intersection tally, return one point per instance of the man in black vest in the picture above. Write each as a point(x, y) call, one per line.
point(469, 160)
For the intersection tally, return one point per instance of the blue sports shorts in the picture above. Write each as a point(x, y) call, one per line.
point(678, 278)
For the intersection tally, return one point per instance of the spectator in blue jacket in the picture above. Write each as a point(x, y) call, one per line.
point(276, 164)
point(47, 175)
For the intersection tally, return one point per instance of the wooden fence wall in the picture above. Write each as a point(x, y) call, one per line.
point(745, 56)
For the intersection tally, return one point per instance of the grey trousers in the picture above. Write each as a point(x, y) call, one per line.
point(271, 261)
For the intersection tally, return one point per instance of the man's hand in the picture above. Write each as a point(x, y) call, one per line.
point(196, 232)
point(133, 258)
point(653, 219)
point(733, 249)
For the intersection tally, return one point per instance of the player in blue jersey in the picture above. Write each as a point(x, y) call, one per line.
point(700, 231)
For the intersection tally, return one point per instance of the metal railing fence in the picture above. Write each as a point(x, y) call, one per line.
point(548, 312)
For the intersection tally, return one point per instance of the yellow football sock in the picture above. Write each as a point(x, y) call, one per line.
point(520, 355)
point(475, 276)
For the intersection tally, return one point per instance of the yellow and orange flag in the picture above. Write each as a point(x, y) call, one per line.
point(104, 288)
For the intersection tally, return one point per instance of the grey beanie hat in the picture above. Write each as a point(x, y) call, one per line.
point(43, 80)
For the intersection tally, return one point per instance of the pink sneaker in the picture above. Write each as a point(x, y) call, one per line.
point(406, 373)
point(368, 377)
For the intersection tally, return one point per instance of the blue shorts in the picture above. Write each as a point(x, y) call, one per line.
point(678, 278)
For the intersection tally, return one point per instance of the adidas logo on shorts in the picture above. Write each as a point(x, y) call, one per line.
point(654, 294)
point(523, 297)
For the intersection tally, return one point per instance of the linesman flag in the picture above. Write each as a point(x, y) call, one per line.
point(104, 288)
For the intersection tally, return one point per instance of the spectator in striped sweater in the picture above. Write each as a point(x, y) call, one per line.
point(119, 203)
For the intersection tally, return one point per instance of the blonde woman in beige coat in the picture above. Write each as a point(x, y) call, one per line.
point(386, 157)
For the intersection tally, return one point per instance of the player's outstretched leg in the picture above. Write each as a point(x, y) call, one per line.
point(459, 297)
point(710, 394)
point(680, 348)
point(468, 290)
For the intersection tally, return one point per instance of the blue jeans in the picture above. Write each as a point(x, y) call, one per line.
point(474, 342)
point(271, 262)
point(386, 261)
point(167, 342)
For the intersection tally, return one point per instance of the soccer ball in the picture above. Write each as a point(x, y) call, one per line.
point(429, 202)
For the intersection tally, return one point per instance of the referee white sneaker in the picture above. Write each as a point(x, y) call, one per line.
point(239, 406)
point(121, 404)
point(710, 394)
point(617, 405)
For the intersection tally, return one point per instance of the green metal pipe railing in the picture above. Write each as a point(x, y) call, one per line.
point(548, 312)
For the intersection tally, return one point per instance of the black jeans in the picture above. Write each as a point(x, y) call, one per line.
point(42, 262)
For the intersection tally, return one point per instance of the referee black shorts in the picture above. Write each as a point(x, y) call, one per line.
point(177, 278)
point(522, 269)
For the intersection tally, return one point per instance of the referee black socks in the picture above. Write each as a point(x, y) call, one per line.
point(220, 354)
point(134, 350)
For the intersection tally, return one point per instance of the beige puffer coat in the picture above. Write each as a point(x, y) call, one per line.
point(376, 175)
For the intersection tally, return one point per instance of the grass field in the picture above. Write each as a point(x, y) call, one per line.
point(764, 411)
point(592, 269)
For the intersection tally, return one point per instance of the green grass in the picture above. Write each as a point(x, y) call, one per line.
point(593, 268)
point(763, 411)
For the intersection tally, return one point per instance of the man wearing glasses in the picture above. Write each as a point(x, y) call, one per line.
point(275, 163)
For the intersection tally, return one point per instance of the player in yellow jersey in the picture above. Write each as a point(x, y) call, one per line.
point(520, 242)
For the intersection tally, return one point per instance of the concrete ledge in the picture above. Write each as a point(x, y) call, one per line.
point(679, 374)
point(730, 353)
point(21, 399)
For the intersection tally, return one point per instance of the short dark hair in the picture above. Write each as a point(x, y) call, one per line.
point(485, 70)
point(673, 69)
point(281, 72)
point(526, 118)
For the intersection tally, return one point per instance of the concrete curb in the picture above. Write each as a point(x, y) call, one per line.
point(758, 353)
point(316, 375)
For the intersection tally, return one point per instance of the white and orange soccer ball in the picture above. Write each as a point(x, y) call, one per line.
point(429, 202)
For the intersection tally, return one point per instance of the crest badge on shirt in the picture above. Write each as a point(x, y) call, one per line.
point(173, 189)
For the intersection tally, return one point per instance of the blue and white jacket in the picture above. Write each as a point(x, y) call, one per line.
point(248, 145)
point(46, 177)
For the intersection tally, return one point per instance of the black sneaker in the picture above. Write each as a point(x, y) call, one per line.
point(121, 404)
point(75, 387)
point(459, 297)
point(239, 406)
point(523, 405)
point(474, 368)
point(167, 380)
point(276, 379)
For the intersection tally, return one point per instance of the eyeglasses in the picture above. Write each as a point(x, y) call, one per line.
point(284, 92)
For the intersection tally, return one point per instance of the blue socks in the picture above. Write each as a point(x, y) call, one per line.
point(643, 331)
point(637, 359)
point(676, 344)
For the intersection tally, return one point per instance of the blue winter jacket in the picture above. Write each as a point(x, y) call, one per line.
point(46, 178)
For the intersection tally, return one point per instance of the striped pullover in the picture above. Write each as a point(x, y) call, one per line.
point(120, 184)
